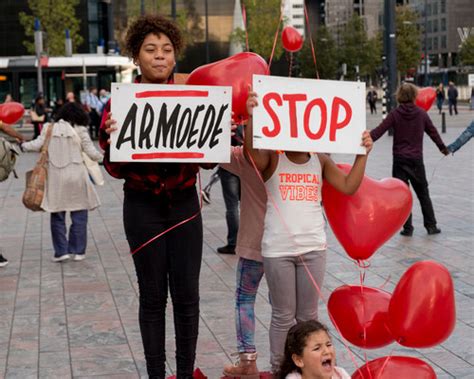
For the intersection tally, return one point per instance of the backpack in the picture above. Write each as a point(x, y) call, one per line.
point(8, 153)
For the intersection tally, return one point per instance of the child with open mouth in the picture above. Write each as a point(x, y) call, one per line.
point(310, 354)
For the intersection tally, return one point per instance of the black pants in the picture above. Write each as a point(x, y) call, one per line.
point(412, 171)
point(373, 108)
point(453, 103)
point(94, 124)
point(172, 261)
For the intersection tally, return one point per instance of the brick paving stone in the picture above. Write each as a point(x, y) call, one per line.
point(79, 319)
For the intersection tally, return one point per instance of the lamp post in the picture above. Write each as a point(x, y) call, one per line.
point(207, 32)
point(426, 44)
point(38, 51)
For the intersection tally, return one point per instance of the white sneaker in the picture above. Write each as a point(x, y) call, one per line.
point(62, 258)
point(79, 257)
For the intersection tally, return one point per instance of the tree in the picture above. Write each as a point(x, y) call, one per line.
point(408, 39)
point(262, 22)
point(326, 55)
point(466, 54)
point(357, 49)
point(55, 17)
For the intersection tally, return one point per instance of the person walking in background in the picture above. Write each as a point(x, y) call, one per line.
point(409, 123)
point(465, 136)
point(70, 97)
point(452, 98)
point(38, 115)
point(440, 96)
point(68, 188)
point(8, 98)
point(57, 106)
point(94, 108)
point(157, 197)
point(372, 99)
point(206, 191)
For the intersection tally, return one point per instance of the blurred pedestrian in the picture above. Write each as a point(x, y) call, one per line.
point(68, 188)
point(70, 97)
point(452, 98)
point(465, 136)
point(57, 106)
point(104, 96)
point(409, 123)
point(38, 115)
point(372, 99)
point(440, 96)
point(8, 98)
point(94, 108)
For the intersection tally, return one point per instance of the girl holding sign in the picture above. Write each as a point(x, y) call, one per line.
point(294, 240)
point(160, 199)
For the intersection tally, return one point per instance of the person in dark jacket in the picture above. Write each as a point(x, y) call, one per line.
point(452, 98)
point(409, 123)
point(440, 97)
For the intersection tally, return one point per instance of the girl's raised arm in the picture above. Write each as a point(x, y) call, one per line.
point(347, 183)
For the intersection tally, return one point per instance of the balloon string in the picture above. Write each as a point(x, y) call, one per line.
point(313, 51)
point(385, 282)
point(434, 170)
point(275, 42)
point(290, 65)
point(176, 225)
point(385, 364)
point(244, 18)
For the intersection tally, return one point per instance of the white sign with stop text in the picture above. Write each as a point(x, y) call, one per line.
point(294, 114)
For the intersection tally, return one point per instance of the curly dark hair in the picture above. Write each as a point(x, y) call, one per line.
point(74, 114)
point(155, 24)
point(295, 344)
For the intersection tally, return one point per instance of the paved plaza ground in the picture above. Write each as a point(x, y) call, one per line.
point(79, 319)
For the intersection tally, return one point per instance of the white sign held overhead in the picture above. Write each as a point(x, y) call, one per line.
point(322, 116)
point(171, 123)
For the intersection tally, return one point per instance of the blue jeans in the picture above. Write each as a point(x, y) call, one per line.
point(77, 242)
point(231, 192)
point(249, 275)
point(462, 139)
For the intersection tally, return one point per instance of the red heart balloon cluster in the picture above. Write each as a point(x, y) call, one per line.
point(235, 71)
point(395, 367)
point(11, 112)
point(363, 222)
point(291, 39)
point(425, 98)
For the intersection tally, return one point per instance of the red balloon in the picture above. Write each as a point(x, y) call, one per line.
point(291, 39)
point(395, 367)
point(422, 312)
point(426, 97)
point(11, 112)
point(235, 71)
point(366, 220)
point(361, 314)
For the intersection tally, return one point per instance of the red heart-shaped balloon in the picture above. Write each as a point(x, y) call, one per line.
point(235, 71)
point(11, 112)
point(291, 39)
point(361, 315)
point(422, 311)
point(426, 97)
point(366, 220)
point(395, 367)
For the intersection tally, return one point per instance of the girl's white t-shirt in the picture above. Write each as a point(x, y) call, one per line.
point(294, 222)
point(339, 373)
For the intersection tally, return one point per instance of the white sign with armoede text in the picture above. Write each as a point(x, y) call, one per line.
point(170, 123)
point(323, 116)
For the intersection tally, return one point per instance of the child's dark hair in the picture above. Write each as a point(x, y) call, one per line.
point(295, 344)
point(154, 24)
point(74, 114)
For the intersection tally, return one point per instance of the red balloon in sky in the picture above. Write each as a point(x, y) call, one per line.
point(422, 312)
point(425, 98)
point(364, 221)
point(11, 112)
point(291, 39)
point(235, 71)
point(361, 315)
point(395, 367)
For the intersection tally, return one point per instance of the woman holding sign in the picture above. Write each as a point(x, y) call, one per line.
point(161, 198)
point(294, 240)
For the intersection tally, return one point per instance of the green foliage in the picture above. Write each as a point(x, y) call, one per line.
point(408, 39)
point(54, 17)
point(262, 21)
point(358, 50)
point(466, 54)
point(326, 55)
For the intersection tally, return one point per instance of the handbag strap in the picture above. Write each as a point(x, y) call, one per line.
point(49, 132)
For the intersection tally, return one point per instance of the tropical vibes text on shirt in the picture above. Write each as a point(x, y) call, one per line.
point(309, 115)
point(170, 123)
